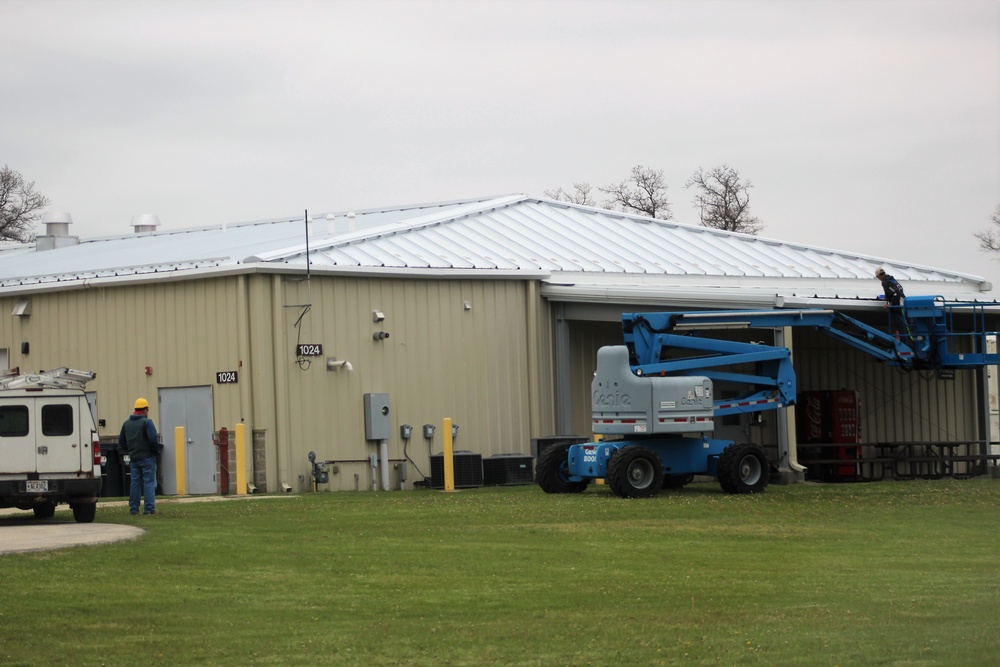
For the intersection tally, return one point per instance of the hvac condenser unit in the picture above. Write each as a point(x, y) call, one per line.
point(468, 470)
point(507, 470)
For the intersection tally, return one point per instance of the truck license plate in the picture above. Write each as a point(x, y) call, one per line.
point(36, 485)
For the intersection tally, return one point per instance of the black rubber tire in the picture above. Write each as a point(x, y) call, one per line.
point(635, 472)
point(552, 472)
point(84, 512)
point(675, 482)
point(743, 469)
point(44, 511)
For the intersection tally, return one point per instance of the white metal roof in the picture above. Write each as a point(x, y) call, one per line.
point(581, 252)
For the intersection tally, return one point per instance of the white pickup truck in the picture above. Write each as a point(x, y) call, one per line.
point(49, 447)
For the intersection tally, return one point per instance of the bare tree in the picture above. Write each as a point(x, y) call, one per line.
point(723, 200)
point(989, 239)
point(644, 192)
point(580, 195)
point(20, 206)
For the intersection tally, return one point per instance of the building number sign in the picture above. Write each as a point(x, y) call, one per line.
point(309, 350)
point(227, 377)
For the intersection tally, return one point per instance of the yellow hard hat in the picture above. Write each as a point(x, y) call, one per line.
point(141, 404)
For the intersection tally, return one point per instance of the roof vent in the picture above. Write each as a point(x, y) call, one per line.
point(145, 223)
point(56, 231)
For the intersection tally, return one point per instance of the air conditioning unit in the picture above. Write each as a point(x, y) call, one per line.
point(468, 470)
point(507, 470)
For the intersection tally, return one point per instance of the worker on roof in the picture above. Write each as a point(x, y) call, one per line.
point(894, 300)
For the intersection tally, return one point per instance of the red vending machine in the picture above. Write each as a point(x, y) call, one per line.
point(830, 417)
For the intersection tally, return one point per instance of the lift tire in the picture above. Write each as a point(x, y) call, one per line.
point(44, 511)
point(84, 512)
point(635, 472)
point(675, 482)
point(552, 473)
point(743, 468)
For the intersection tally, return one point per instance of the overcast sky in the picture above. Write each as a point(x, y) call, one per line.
point(868, 126)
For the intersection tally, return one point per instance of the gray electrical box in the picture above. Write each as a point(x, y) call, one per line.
point(377, 422)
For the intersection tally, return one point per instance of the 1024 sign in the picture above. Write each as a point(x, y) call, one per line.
point(309, 350)
point(227, 377)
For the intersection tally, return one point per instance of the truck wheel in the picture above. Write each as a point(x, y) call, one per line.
point(44, 511)
point(84, 512)
point(552, 473)
point(635, 472)
point(743, 468)
point(676, 481)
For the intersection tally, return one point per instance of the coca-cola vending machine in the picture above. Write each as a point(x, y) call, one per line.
point(830, 417)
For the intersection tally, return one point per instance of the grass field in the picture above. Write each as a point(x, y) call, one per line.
point(864, 574)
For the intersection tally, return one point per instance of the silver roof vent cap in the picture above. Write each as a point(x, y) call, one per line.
point(57, 223)
point(145, 223)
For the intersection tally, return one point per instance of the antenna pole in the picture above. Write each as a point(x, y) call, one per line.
point(307, 245)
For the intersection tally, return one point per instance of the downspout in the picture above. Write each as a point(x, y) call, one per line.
point(534, 356)
point(283, 445)
point(563, 375)
point(245, 353)
point(788, 457)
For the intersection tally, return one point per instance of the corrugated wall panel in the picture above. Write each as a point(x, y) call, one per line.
point(179, 330)
point(895, 405)
point(585, 339)
point(440, 360)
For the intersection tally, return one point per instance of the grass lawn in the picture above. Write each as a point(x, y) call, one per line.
point(892, 573)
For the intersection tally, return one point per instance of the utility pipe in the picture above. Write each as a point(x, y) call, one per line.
point(383, 453)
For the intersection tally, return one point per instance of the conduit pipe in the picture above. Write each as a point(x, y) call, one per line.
point(383, 453)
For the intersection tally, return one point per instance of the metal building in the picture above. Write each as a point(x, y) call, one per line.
point(486, 311)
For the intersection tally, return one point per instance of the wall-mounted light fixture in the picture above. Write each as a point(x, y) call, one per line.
point(378, 316)
point(334, 364)
point(467, 305)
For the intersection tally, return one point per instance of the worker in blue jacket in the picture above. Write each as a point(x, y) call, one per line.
point(138, 435)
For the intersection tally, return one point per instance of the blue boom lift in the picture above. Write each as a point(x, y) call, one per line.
point(656, 391)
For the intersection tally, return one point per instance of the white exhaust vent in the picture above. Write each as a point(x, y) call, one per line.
point(145, 223)
point(56, 231)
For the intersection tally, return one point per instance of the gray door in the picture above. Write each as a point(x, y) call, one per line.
point(190, 407)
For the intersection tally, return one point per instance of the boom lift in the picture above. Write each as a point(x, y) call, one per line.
point(656, 391)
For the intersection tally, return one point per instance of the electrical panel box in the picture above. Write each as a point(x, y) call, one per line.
point(377, 422)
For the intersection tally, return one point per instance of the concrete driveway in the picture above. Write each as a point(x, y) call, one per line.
point(26, 533)
point(20, 531)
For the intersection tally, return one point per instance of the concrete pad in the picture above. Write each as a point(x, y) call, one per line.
point(18, 535)
point(20, 531)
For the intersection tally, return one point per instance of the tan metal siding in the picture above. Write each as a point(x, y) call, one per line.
point(178, 329)
point(895, 405)
point(476, 366)
point(585, 339)
point(440, 360)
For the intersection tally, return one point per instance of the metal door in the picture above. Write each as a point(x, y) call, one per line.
point(58, 440)
point(190, 407)
point(17, 442)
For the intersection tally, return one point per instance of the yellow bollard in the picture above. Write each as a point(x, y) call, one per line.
point(449, 455)
point(180, 457)
point(597, 438)
point(241, 459)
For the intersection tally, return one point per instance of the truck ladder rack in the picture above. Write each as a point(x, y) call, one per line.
point(57, 378)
